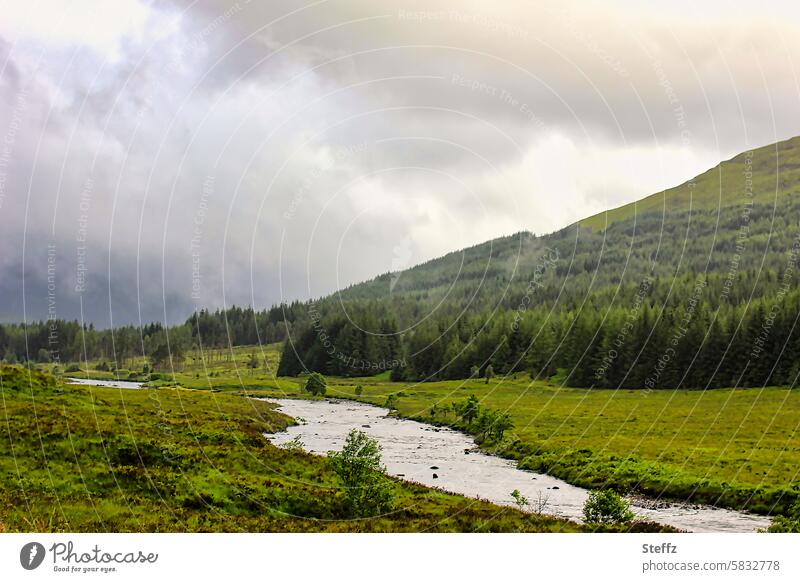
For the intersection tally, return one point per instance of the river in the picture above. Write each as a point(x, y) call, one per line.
point(106, 383)
point(441, 457)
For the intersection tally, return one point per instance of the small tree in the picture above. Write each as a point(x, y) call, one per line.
point(316, 384)
point(359, 390)
point(489, 373)
point(358, 465)
point(474, 372)
point(253, 363)
point(501, 424)
point(485, 423)
point(606, 506)
point(470, 409)
point(519, 499)
point(391, 401)
point(542, 499)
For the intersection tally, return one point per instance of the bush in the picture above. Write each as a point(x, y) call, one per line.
point(787, 524)
point(606, 506)
point(73, 368)
point(359, 390)
point(316, 384)
point(397, 374)
point(367, 490)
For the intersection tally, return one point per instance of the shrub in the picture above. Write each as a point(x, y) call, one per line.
point(316, 384)
point(358, 465)
point(787, 524)
point(359, 390)
point(519, 499)
point(397, 374)
point(293, 445)
point(73, 368)
point(606, 506)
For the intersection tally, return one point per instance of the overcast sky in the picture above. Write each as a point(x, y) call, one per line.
point(157, 157)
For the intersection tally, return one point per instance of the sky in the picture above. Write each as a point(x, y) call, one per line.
point(160, 157)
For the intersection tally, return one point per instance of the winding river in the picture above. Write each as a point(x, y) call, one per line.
point(444, 458)
point(441, 457)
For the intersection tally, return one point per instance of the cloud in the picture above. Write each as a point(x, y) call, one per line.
point(208, 153)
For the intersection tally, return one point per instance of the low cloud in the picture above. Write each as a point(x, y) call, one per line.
point(210, 153)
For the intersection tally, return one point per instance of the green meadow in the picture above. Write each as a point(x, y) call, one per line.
point(735, 448)
point(91, 459)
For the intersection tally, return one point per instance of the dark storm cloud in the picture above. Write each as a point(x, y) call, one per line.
point(206, 153)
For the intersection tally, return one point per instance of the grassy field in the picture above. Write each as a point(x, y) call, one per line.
point(100, 459)
point(201, 369)
point(737, 448)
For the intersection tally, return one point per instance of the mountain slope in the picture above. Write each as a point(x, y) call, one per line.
point(775, 169)
point(774, 176)
point(706, 296)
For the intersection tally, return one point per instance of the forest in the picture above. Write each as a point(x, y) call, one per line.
point(701, 291)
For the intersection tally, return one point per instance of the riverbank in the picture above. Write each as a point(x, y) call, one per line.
point(732, 448)
point(98, 459)
point(448, 459)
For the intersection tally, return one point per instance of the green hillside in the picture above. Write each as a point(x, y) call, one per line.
point(658, 294)
point(776, 173)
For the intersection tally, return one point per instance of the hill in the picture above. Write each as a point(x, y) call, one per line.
point(693, 287)
point(775, 173)
point(703, 274)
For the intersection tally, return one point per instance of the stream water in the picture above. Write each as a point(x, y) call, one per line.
point(106, 383)
point(448, 459)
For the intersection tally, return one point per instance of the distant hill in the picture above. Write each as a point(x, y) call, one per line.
point(695, 286)
point(776, 173)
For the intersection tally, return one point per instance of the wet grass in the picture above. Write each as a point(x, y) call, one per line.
point(737, 448)
point(172, 460)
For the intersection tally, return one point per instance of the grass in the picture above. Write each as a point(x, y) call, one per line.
point(737, 448)
point(171, 460)
point(776, 172)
